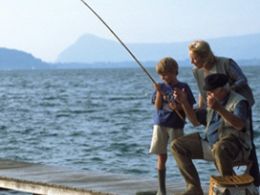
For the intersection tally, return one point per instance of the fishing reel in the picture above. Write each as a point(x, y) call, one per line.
point(170, 98)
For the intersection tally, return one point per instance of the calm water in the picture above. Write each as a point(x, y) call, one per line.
point(92, 119)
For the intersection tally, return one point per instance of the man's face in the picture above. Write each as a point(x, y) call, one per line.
point(197, 60)
point(218, 93)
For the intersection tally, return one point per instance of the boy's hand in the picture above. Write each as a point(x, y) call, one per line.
point(172, 105)
point(157, 86)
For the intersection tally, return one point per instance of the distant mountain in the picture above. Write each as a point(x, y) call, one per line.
point(15, 59)
point(93, 49)
point(90, 48)
point(90, 51)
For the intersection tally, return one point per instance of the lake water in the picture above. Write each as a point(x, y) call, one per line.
point(91, 119)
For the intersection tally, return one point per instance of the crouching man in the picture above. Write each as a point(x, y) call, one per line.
point(227, 134)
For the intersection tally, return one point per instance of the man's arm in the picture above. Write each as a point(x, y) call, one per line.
point(236, 75)
point(201, 103)
point(237, 119)
point(181, 97)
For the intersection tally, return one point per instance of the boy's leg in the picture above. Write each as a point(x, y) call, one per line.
point(185, 149)
point(159, 140)
point(159, 146)
point(161, 161)
point(174, 134)
point(162, 158)
point(161, 169)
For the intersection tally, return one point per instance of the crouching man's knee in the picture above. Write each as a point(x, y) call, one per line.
point(175, 145)
point(224, 150)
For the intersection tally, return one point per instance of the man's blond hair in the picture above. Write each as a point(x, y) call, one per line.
point(202, 49)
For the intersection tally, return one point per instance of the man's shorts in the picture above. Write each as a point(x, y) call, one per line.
point(161, 137)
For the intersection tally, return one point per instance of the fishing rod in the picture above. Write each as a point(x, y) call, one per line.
point(122, 43)
point(127, 49)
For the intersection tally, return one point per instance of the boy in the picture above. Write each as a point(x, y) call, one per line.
point(168, 125)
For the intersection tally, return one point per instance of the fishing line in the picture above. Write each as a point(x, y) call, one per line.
point(127, 49)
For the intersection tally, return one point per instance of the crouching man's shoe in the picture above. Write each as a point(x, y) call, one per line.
point(193, 190)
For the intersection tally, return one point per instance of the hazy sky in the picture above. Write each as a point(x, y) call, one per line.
point(46, 27)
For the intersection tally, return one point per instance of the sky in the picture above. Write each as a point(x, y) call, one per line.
point(45, 28)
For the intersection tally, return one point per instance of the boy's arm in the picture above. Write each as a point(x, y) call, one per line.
point(158, 100)
point(158, 97)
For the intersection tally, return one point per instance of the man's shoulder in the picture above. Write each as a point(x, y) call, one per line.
point(223, 59)
point(236, 96)
point(235, 99)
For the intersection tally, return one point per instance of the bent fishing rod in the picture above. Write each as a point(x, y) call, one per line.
point(127, 49)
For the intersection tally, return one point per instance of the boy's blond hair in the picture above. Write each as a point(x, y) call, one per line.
point(167, 65)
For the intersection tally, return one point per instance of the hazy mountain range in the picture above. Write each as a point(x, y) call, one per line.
point(92, 51)
point(90, 48)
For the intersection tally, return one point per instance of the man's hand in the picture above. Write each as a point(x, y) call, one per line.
point(180, 95)
point(212, 102)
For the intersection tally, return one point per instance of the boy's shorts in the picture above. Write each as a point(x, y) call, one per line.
point(161, 137)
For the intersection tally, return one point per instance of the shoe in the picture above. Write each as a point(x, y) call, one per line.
point(160, 193)
point(161, 180)
point(193, 191)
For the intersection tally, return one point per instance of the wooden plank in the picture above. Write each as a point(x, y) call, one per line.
point(52, 180)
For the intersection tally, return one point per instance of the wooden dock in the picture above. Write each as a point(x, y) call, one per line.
point(51, 180)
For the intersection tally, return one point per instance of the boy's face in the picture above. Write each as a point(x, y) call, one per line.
point(168, 77)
